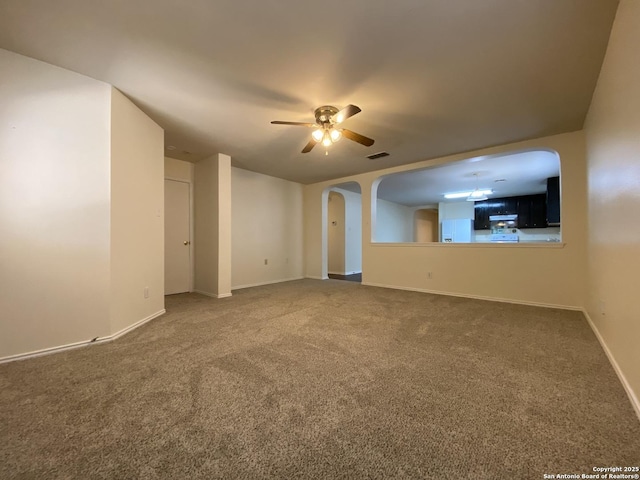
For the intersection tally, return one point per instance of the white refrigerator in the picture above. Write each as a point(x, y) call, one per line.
point(456, 231)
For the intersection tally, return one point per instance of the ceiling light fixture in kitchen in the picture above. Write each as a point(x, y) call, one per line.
point(471, 196)
point(468, 194)
point(478, 195)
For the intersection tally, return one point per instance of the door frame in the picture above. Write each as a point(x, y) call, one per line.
point(192, 264)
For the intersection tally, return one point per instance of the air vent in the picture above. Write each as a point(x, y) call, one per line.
point(375, 156)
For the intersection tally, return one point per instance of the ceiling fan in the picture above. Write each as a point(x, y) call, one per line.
point(326, 130)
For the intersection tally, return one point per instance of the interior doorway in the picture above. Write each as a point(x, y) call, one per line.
point(344, 232)
point(177, 237)
point(336, 237)
point(425, 222)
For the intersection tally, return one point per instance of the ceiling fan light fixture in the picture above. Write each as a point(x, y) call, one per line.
point(326, 139)
point(325, 130)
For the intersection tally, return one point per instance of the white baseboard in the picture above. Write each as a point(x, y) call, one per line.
point(627, 387)
point(133, 326)
point(476, 297)
point(47, 351)
point(270, 282)
point(207, 294)
point(343, 273)
point(213, 295)
point(84, 343)
point(312, 277)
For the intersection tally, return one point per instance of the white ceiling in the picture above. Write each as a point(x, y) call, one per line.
point(433, 77)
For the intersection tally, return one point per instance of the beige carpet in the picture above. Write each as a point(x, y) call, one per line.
point(332, 379)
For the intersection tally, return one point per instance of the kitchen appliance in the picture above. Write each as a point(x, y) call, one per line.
point(504, 238)
point(504, 228)
point(457, 231)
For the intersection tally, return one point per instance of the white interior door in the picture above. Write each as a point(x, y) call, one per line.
point(177, 241)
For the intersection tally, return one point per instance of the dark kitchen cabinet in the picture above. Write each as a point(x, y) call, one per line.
point(539, 211)
point(502, 206)
point(524, 211)
point(509, 206)
point(495, 206)
point(532, 211)
point(481, 212)
point(553, 201)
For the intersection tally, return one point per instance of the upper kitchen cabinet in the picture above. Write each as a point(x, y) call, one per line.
point(481, 218)
point(553, 201)
point(507, 206)
point(532, 211)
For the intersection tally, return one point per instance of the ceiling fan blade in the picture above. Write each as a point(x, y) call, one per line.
point(356, 137)
point(346, 112)
point(301, 124)
point(309, 146)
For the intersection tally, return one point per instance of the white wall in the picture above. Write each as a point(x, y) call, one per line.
point(54, 206)
point(209, 187)
point(266, 223)
point(178, 170)
point(555, 273)
point(224, 225)
point(613, 155)
point(205, 216)
point(394, 222)
point(137, 214)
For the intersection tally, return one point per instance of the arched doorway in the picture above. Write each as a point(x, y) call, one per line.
point(343, 228)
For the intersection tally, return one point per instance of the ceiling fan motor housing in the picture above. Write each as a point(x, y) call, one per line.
point(324, 114)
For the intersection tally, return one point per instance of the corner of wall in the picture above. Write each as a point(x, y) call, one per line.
point(612, 149)
point(137, 215)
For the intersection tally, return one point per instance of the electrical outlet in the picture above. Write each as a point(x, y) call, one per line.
point(603, 307)
point(146, 292)
point(429, 275)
